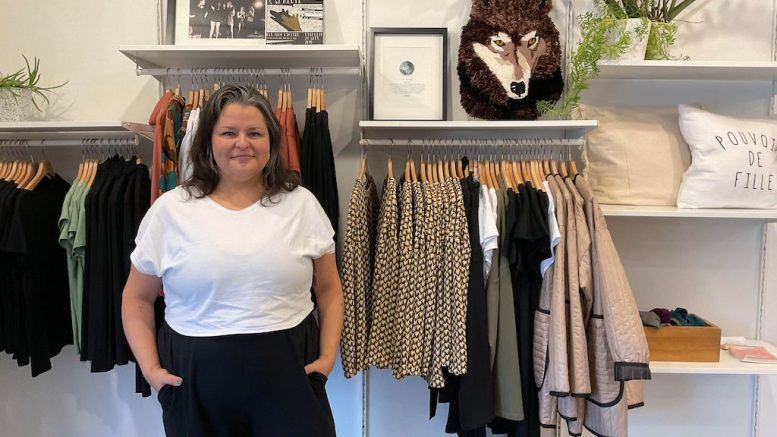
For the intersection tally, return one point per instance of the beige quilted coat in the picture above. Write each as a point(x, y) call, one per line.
point(587, 313)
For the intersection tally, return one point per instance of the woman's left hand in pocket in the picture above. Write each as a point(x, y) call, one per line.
point(322, 365)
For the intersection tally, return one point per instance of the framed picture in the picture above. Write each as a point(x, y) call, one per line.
point(219, 22)
point(408, 73)
point(297, 22)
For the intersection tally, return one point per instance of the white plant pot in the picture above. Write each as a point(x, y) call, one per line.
point(15, 108)
point(638, 46)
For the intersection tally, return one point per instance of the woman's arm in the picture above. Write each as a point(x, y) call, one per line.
point(137, 315)
point(329, 296)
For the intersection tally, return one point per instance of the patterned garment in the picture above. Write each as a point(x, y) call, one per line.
point(413, 312)
point(431, 262)
point(380, 339)
point(357, 261)
point(463, 251)
point(406, 277)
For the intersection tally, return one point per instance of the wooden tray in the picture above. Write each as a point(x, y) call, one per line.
point(684, 343)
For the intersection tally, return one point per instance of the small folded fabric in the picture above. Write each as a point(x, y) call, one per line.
point(649, 318)
point(663, 314)
point(681, 317)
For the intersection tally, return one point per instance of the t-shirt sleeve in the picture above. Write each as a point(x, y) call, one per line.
point(319, 238)
point(147, 255)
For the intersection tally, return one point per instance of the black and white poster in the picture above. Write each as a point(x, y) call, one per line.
point(295, 22)
point(211, 22)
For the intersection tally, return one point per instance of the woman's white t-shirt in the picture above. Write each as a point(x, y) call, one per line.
point(233, 272)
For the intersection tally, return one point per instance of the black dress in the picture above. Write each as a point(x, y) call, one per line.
point(42, 290)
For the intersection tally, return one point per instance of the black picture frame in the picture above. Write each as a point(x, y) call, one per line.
point(416, 88)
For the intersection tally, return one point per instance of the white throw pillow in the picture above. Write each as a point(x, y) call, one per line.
point(636, 156)
point(733, 161)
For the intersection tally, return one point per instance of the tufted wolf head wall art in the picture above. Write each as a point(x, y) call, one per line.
point(509, 59)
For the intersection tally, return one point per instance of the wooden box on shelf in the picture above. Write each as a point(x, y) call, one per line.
point(684, 343)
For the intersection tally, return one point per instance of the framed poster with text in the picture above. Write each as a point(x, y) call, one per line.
point(408, 72)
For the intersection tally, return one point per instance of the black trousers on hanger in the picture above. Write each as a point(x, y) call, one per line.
point(245, 384)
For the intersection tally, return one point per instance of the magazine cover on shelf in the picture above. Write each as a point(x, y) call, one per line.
point(219, 22)
point(295, 22)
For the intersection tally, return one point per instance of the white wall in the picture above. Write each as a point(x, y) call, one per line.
point(709, 266)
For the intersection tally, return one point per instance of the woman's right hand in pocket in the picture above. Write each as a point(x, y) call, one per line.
point(160, 377)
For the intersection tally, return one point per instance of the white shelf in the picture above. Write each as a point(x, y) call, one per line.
point(476, 129)
point(687, 70)
point(728, 365)
point(35, 130)
point(270, 57)
point(671, 211)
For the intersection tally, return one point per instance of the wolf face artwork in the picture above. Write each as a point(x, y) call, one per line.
point(509, 59)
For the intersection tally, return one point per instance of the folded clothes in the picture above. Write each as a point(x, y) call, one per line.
point(664, 314)
point(681, 317)
point(649, 318)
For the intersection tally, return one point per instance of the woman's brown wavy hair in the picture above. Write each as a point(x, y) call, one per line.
point(205, 173)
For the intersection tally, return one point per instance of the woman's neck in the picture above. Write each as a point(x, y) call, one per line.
point(234, 195)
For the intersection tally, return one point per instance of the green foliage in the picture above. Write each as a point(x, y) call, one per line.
point(655, 10)
point(595, 44)
point(27, 80)
point(662, 36)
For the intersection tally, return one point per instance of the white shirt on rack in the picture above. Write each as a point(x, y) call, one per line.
point(555, 234)
point(184, 165)
point(489, 235)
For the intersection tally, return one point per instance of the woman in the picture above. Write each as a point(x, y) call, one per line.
point(229, 11)
point(237, 248)
point(241, 18)
point(216, 17)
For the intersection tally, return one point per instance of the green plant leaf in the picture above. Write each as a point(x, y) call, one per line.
point(28, 80)
point(632, 8)
point(672, 13)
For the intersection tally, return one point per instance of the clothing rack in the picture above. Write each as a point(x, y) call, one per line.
point(251, 72)
point(73, 133)
point(115, 141)
point(474, 142)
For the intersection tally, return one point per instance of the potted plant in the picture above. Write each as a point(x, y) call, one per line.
point(596, 43)
point(20, 89)
point(633, 22)
point(661, 13)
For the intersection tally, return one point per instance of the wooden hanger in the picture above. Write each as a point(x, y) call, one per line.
point(502, 164)
point(323, 94)
point(572, 168)
point(430, 172)
point(44, 170)
point(487, 175)
point(3, 168)
point(318, 99)
point(562, 165)
point(460, 169)
point(389, 164)
point(445, 166)
point(423, 167)
point(363, 165)
point(406, 172)
point(93, 171)
point(28, 171)
point(91, 168)
point(413, 176)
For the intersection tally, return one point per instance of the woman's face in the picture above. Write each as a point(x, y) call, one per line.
point(240, 143)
